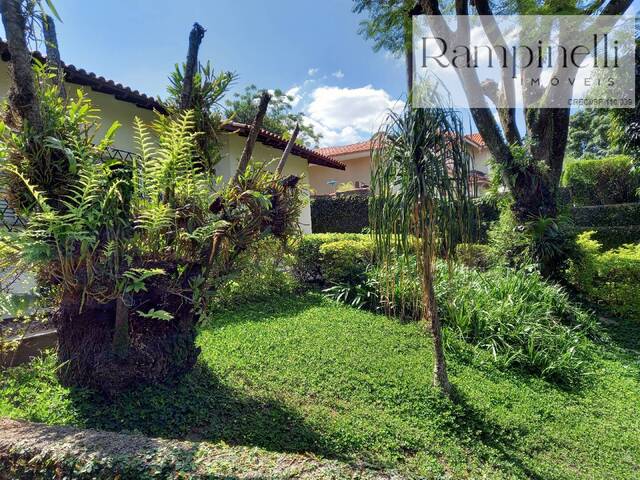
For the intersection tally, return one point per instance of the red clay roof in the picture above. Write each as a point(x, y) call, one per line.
point(80, 76)
point(274, 140)
point(346, 149)
point(366, 146)
point(476, 138)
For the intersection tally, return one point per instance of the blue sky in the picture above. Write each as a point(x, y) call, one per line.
point(311, 49)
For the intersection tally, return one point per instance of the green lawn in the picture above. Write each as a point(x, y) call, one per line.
point(306, 375)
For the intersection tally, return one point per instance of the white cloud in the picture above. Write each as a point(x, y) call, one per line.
point(312, 71)
point(348, 115)
point(294, 92)
point(339, 74)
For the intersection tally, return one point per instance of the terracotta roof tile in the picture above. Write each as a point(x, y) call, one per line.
point(274, 140)
point(476, 138)
point(80, 76)
point(346, 149)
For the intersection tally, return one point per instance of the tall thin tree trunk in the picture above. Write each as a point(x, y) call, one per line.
point(430, 309)
point(53, 53)
point(22, 96)
point(287, 150)
point(120, 340)
point(253, 135)
point(408, 55)
point(195, 39)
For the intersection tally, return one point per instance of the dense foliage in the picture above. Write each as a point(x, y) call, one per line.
point(330, 258)
point(133, 246)
point(611, 278)
point(340, 214)
point(602, 181)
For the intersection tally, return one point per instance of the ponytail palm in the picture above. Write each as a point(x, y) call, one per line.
point(420, 206)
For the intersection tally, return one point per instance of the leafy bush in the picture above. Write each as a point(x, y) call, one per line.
point(520, 319)
point(310, 266)
point(611, 277)
point(346, 261)
point(607, 215)
point(603, 181)
point(475, 255)
point(540, 243)
point(341, 214)
point(262, 272)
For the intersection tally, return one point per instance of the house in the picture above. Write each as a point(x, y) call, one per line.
point(357, 158)
point(118, 102)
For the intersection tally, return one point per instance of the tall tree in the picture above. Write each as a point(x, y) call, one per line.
point(420, 206)
point(532, 169)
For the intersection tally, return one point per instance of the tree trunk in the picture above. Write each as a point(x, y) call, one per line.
point(53, 53)
point(287, 151)
point(253, 135)
point(430, 309)
point(159, 351)
point(121, 329)
point(195, 39)
point(22, 95)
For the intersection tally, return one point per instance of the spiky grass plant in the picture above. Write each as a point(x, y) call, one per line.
point(420, 205)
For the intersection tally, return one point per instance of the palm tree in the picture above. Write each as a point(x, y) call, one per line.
point(420, 205)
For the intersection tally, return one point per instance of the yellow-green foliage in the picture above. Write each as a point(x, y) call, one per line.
point(310, 266)
point(601, 181)
point(346, 261)
point(611, 277)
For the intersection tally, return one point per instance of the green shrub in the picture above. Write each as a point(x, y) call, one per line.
point(611, 277)
point(309, 261)
point(614, 237)
point(346, 261)
point(607, 215)
point(263, 271)
point(516, 317)
point(520, 319)
point(603, 181)
point(340, 214)
point(475, 255)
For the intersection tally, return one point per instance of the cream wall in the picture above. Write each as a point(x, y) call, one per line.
point(357, 170)
point(232, 148)
point(110, 110)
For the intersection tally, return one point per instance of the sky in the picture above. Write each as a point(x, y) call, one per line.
point(310, 49)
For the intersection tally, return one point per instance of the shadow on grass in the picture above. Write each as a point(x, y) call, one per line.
point(472, 428)
point(200, 407)
point(262, 310)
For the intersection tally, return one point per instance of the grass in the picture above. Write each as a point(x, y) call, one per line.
point(306, 375)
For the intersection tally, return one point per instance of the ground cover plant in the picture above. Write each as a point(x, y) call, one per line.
point(308, 375)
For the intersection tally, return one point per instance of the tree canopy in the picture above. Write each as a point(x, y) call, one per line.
point(280, 118)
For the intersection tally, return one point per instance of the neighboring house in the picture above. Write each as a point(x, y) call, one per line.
point(118, 102)
point(357, 158)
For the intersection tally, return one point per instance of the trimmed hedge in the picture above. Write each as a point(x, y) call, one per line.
point(614, 237)
point(604, 181)
point(613, 225)
point(340, 214)
point(330, 258)
point(41, 452)
point(607, 215)
point(611, 277)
